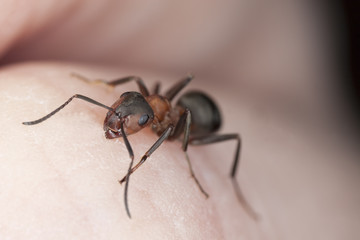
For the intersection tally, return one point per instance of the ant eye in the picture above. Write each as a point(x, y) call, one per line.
point(143, 119)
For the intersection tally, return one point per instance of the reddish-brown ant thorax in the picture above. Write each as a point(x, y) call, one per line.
point(160, 106)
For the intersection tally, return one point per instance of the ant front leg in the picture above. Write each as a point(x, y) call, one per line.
point(143, 89)
point(184, 124)
point(157, 144)
point(220, 138)
point(127, 177)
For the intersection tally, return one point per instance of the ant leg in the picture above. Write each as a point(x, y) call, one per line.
point(95, 82)
point(87, 99)
point(156, 89)
point(143, 89)
point(157, 144)
point(183, 125)
point(220, 138)
point(171, 93)
point(127, 177)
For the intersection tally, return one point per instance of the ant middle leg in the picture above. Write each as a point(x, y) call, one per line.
point(156, 89)
point(113, 83)
point(175, 89)
point(208, 139)
point(184, 125)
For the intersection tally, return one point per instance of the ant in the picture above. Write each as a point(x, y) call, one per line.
point(195, 119)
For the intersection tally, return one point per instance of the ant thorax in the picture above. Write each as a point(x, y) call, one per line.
point(164, 113)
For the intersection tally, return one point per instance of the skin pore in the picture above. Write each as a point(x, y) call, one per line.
point(59, 179)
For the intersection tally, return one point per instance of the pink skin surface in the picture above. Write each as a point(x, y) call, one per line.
point(262, 61)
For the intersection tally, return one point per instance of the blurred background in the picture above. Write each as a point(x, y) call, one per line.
point(304, 51)
point(349, 15)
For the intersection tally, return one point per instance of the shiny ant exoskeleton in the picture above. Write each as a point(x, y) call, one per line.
point(195, 118)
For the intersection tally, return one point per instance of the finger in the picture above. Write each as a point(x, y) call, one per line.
point(62, 175)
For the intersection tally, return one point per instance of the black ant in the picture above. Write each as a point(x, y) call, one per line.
point(195, 118)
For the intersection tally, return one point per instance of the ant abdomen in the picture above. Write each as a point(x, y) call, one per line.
point(205, 115)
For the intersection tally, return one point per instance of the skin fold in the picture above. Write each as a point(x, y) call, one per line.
point(269, 73)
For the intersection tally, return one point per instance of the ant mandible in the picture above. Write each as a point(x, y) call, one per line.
point(195, 118)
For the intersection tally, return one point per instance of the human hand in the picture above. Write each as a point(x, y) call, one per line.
point(59, 179)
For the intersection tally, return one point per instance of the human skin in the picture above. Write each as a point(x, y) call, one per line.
point(59, 179)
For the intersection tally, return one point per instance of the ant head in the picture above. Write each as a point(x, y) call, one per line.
point(132, 110)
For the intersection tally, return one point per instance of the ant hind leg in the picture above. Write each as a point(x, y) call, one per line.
point(203, 140)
